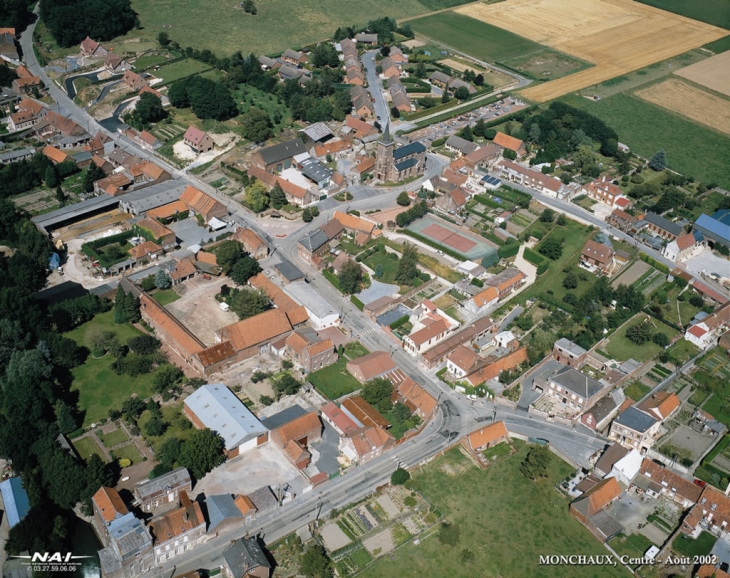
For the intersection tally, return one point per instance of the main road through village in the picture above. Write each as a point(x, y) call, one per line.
point(457, 415)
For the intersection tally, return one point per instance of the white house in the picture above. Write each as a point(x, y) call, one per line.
point(482, 301)
point(700, 335)
point(627, 467)
point(462, 361)
point(321, 313)
point(504, 338)
point(683, 247)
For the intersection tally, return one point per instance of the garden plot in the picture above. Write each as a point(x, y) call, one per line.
point(334, 538)
point(689, 443)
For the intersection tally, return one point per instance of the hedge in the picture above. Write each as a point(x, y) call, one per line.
point(533, 257)
point(398, 322)
point(488, 202)
point(356, 302)
point(332, 278)
point(493, 238)
point(654, 263)
point(90, 248)
point(542, 267)
point(507, 251)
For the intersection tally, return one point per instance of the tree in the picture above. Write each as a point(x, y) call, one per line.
point(536, 463)
point(427, 102)
point(403, 199)
point(256, 197)
point(639, 333)
point(249, 302)
point(167, 377)
point(277, 196)
point(249, 7)
point(93, 173)
point(378, 271)
point(377, 392)
point(60, 196)
point(286, 385)
point(394, 112)
point(562, 220)
point(658, 161)
point(315, 562)
point(307, 216)
point(148, 110)
point(350, 277)
point(696, 301)
point(399, 477)
point(462, 93)
point(162, 279)
point(570, 281)
point(660, 339)
point(314, 210)
point(385, 50)
point(245, 268)
point(143, 344)
point(202, 452)
point(445, 97)
point(479, 79)
point(547, 216)
point(480, 128)
point(420, 70)
point(120, 312)
point(51, 177)
point(178, 94)
point(169, 451)
point(70, 21)
point(163, 39)
point(227, 254)
point(552, 248)
point(155, 427)
point(65, 417)
point(407, 265)
point(256, 125)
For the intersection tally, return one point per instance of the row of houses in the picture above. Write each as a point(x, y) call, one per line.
point(447, 82)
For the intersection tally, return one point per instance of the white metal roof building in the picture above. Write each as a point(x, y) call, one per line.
point(321, 313)
point(216, 407)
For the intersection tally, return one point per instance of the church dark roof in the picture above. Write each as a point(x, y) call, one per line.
point(409, 149)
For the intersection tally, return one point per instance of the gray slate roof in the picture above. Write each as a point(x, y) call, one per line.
point(173, 479)
point(576, 382)
point(148, 198)
point(409, 149)
point(129, 535)
point(102, 202)
point(282, 151)
point(635, 419)
point(569, 346)
point(317, 131)
point(220, 508)
point(289, 271)
point(314, 240)
point(439, 77)
point(461, 144)
point(315, 170)
point(406, 164)
point(244, 555)
point(667, 225)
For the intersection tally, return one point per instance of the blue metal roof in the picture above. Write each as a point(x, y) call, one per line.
point(409, 149)
point(714, 226)
point(723, 215)
point(15, 499)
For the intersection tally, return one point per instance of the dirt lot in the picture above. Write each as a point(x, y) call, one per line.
point(618, 36)
point(198, 310)
point(712, 73)
point(546, 64)
point(690, 101)
point(632, 275)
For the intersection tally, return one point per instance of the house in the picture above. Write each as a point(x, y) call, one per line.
point(156, 230)
point(389, 68)
point(360, 129)
point(362, 106)
point(711, 513)
point(353, 224)
point(569, 353)
point(400, 100)
point(684, 247)
point(507, 281)
point(494, 366)
point(55, 155)
point(26, 83)
point(178, 530)
point(662, 227)
point(576, 391)
point(8, 50)
point(54, 126)
point(662, 405)
point(296, 436)
point(596, 257)
point(425, 338)
point(510, 143)
point(183, 270)
point(599, 416)
point(268, 63)
point(415, 398)
point(483, 157)
point(436, 355)
point(216, 407)
point(15, 500)
point(312, 246)
point(542, 183)
point(163, 489)
point(252, 243)
point(114, 185)
point(591, 509)
point(366, 38)
point(223, 513)
point(482, 301)
point(199, 203)
point(276, 158)
point(439, 79)
point(453, 201)
point(604, 191)
point(715, 228)
point(366, 444)
point(370, 366)
point(311, 355)
point(455, 84)
point(339, 420)
point(129, 552)
point(245, 558)
point(705, 333)
point(487, 437)
point(198, 140)
point(336, 149)
point(254, 335)
point(397, 56)
point(146, 250)
point(92, 49)
point(656, 480)
point(621, 220)
point(462, 361)
point(107, 506)
point(634, 429)
point(28, 114)
point(605, 463)
point(133, 81)
point(363, 413)
point(293, 57)
point(114, 64)
point(461, 146)
point(144, 139)
point(626, 468)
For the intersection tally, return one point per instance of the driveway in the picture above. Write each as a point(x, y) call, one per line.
point(376, 291)
point(706, 262)
point(721, 549)
point(325, 451)
point(528, 395)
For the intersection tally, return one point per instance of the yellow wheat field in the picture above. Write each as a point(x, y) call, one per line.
point(617, 36)
point(714, 73)
point(691, 102)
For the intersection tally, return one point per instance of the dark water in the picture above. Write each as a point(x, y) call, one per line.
point(85, 543)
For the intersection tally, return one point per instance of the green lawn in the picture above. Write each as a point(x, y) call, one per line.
point(503, 519)
point(100, 389)
point(683, 351)
point(390, 266)
point(181, 69)
point(355, 349)
point(474, 37)
point(334, 381)
point(165, 296)
point(633, 545)
point(692, 149)
point(621, 349)
point(689, 547)
point(636, 390)
point(716, 12)
point(87, 446)
point(113, 438)
point(128, 452)
point(151, 59)
point(178, 426)
point(224, 28)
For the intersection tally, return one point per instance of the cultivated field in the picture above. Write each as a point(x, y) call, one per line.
point(712, 73)
point(618, 36)
point(546, 65)
point(691, 102)
point(715, 12)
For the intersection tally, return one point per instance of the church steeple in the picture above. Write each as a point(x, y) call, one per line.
point(386, 134)
point(384, 156)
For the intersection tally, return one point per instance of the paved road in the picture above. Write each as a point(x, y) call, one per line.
point(375, 87)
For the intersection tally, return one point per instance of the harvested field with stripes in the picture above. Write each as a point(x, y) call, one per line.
point(617, 36)
point(690, 101)
point(711, 73)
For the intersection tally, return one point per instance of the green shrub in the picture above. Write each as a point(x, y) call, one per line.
point(507, 251)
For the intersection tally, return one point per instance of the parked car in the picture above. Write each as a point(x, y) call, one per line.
point(700, 483)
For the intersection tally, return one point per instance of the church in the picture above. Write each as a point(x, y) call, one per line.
point(393, 165)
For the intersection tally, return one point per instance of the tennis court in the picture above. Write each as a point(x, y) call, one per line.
point(449, 236)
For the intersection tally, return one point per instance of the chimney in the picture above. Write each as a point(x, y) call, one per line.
point(186, 517)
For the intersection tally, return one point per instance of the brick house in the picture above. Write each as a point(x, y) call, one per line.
point(177, 531)
point(296, 436)
point(577, 392)
point(254, 335)
point(92, 49)
point(245, 558)
point(596, 257)
point(487, 437)
point(621, 220)
point(507, 281)
point(309, 352)
point(366, 444)
point(201, 204)
point(133, 81)
point(568, 353)
point(662, 227)
point(199, 141)
point(591, 509)
point(312, 247)
point(634, 429)
point(108, 506)
point(416, 399)
point(604, 191)
point(370, 366)
point(511, 143)
point(276, 158)
point(711, 513)
point(163, 489)
point(157, 231)
point(252, 243)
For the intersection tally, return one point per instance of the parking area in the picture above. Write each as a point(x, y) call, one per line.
point(721, 549)
point(190, 233)
point(684, 437)
point(706, 262)
point(198, 309)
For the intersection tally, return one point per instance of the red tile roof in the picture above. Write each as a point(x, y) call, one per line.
point(257, 329)
point(365, 413)
point(486, 435)
point(341, 420)
point(109, 503)
point(434, 330)
point(416, 398)
point(661, 404)
point(492, 370)
point(298, 428)
point(508, 142)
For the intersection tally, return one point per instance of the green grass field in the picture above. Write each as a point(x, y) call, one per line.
point(716, 12)
point(224, 28)
point(636, 390)
point(178, 426)
point(692, 149)
point(128, 452)
point(390, 266)
point(181, 69)
point(633, 545)
point(621, 349)
point(503, 519)
point(87, 446)
point(166, 296)
point(334, 381)
point(152, 58)
point(355, 349)
point(473, 37)
point(691, 547)
point(100, 389)
point(113, 438)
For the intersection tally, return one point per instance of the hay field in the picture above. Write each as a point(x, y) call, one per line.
point(691, 102)
point(617, 36)
point(712, 73)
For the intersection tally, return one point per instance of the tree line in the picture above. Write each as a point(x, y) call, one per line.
point(70, 21)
